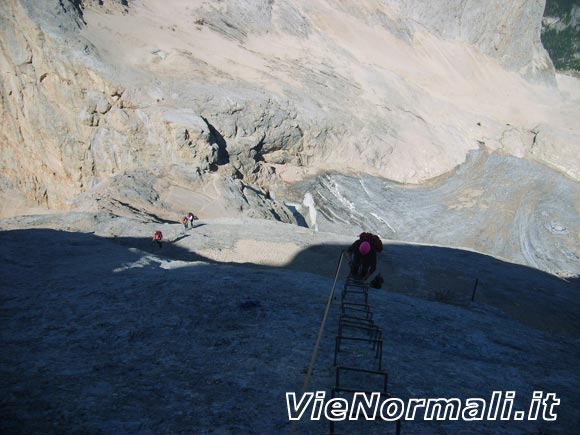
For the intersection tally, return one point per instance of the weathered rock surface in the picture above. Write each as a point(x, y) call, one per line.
point(303, 84)
point(103, 102)
point(127, 337)
point(67, 128)
point(504, 206)
point(508, 31)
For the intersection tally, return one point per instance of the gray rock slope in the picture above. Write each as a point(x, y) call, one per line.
point(100, 335)
point(504, 206)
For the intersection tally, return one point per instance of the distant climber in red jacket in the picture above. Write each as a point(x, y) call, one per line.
point(158, 237)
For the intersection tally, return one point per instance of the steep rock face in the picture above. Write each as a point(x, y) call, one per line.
point(66, 128)
point(508, 31)
point(264, 91)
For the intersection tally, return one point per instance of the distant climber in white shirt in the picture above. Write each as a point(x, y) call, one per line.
point(309, 202)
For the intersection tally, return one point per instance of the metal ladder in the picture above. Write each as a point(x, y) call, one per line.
point(355, 316)
point(362, 362)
